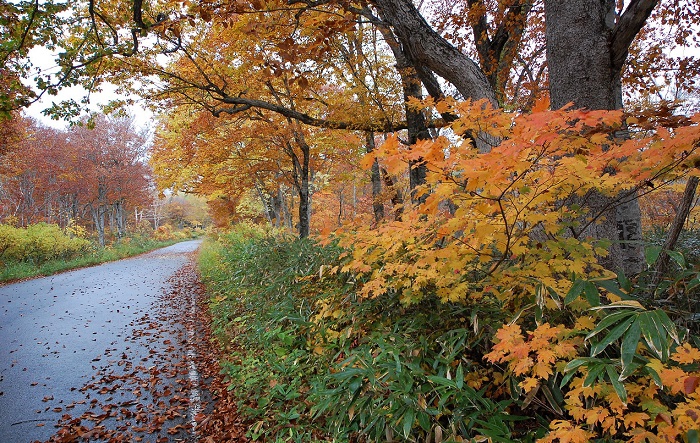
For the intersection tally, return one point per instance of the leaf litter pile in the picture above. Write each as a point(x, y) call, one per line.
point(165, 387)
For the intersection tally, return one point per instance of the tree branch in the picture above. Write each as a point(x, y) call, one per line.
point(243, 104)
point(627, 28)
point(427, 47)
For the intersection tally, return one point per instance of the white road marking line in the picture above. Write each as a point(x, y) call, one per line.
point(195, 392)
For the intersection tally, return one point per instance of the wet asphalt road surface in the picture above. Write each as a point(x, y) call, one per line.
point(77, 346)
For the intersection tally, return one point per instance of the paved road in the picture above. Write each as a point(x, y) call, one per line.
point(79, 351)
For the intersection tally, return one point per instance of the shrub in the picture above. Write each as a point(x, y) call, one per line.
point(312, 359)
point(39, 243)
point(163, 233)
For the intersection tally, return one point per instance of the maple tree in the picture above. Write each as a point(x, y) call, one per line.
point(62, 176)
point(230, 161)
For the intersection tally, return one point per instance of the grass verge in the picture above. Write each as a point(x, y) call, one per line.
point(13, 271)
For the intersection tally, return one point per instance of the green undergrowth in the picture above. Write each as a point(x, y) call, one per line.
point(309, 361)
point(88, 255)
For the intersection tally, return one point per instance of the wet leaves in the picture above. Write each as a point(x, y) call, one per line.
point(148, 392)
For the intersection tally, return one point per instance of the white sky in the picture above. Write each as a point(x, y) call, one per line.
point(43, 59)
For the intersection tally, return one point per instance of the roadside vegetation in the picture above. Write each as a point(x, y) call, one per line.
point(311, 359)
point(45, 249)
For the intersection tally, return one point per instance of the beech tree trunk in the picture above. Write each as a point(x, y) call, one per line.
point(99, 210)
point(587, 45)
point(300, 175)
point(119, 217)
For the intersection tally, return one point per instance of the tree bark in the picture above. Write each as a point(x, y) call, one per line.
point(300, 175)
point(376, 179)
point(586, 48)
point(578, 53)
point(426, 47)
point(99, 210)
point(120, 218)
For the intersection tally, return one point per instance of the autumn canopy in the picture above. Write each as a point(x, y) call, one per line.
point(473, 153)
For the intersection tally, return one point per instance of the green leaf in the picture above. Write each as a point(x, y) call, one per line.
point(625, 282)
point(694, 283)
point(667, 324)
point(570, 368)
point(628, 348)
point(549, 395)
point(653, 337)
point(612, 287)
point(459, 377)
point(651, 254)
point(577, 362)
point(591, 293)
point(615, 381)
point(397, 361)
point(612, 336)
point(678, 258)
point(408, 419)
point(654, 375)
point(441, 381)
point(609, 321)
point(594, 372)
point(424, 420)
point(575, 291)
point(693, 436)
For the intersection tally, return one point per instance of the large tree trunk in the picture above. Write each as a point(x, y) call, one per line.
point(578, 53)
point(586, 48)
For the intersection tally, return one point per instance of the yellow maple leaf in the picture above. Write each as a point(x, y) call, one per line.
point(542, 370)
point(529, 383)
point(584, 323)
point(635, 419)
point(686, 354)
point(673, 379)
point(522, 366)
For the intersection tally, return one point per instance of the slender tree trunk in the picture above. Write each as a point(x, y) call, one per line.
point(300, 175)
point(99, 210)
point(412, 86)
point(674, 232)
point(98, 220)
point(120, 218)
point(376, 179)
point(417, 129)
point(111, 217)
point(340, 208)
point(396, 196)
point(304, 194)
